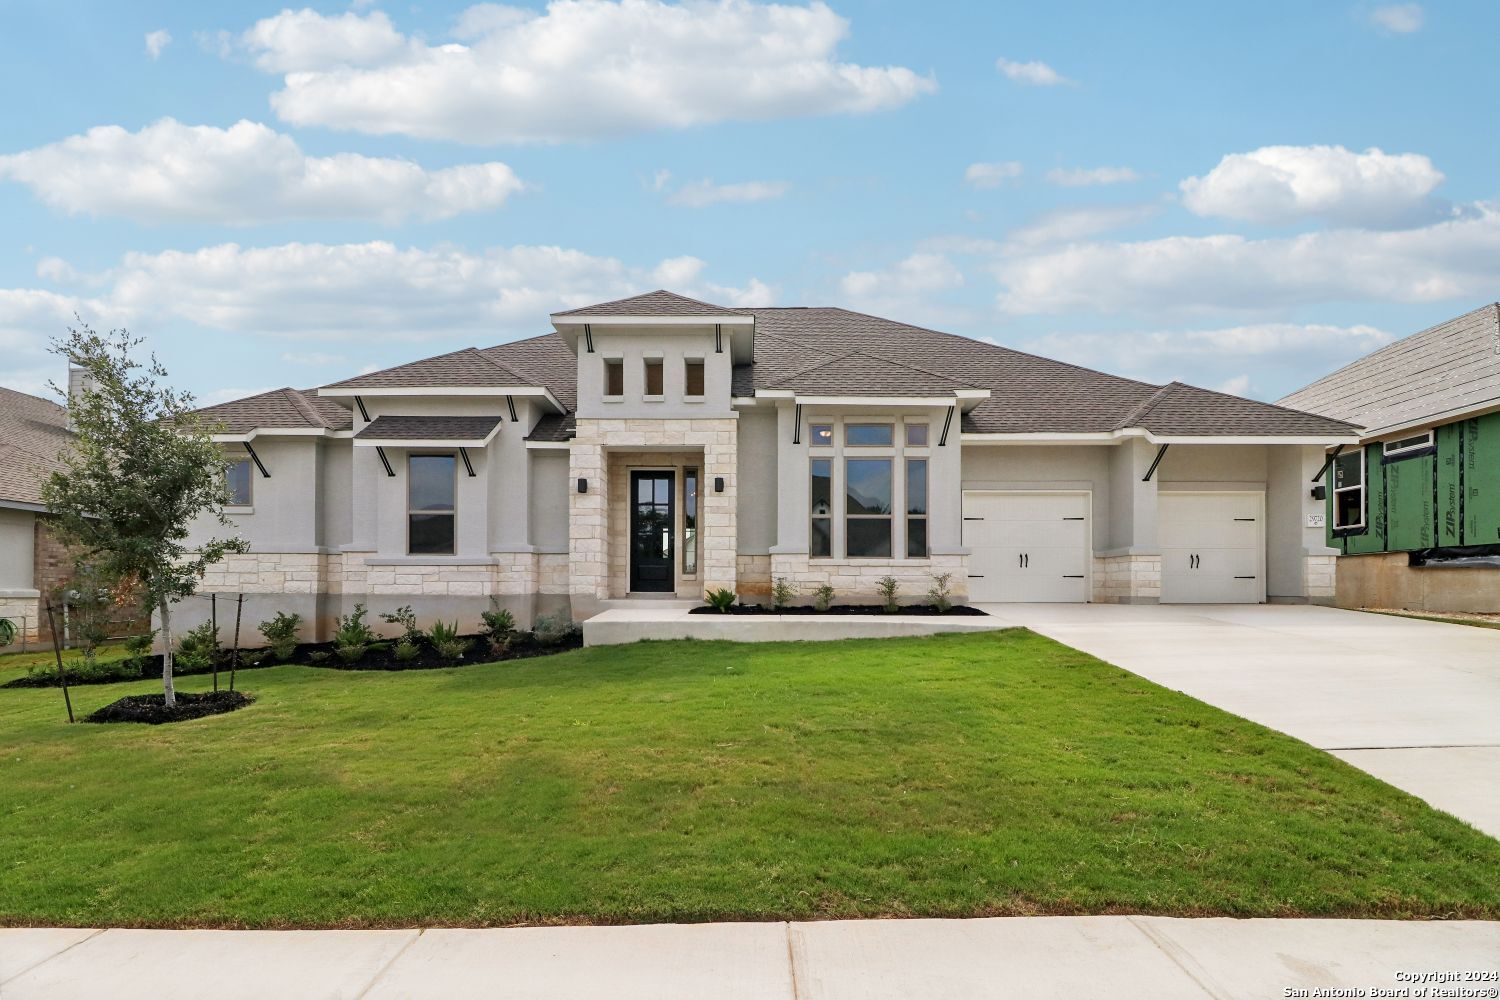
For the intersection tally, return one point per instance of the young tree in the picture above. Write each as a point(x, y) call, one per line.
point(142, 468)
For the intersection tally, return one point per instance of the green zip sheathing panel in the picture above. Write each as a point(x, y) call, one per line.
point(1448, 505)
point(1481, 514)
point(1408, 503)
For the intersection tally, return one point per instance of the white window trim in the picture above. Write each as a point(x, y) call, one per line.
point(1409, 444)
point(839, 452)
point(453, 513)
point(1361, 488)
point(248, 506)
point(604, 394)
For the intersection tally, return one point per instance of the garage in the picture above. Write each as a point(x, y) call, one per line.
point(1212, 547)
point(1028, 546)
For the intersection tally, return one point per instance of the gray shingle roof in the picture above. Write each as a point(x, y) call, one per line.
point(553, 427)
point(33, 432)
point(862, 374)
point(425, 428)
point(279, 409)
point(464, 368)
point(544, 361)
point(1187, 410)
point(657, 303)
point(1446, 369)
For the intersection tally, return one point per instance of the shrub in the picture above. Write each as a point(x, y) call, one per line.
point(254, 659)
point(353, 638)
point(84, 671)
point(447, 643)
point(198, 647)
point(823, 597)
point(139, 648)
point(499, 628)
point(405, 651)
point(318, 656)
point(781, 593)
point(721, 600)
point(281, 635)
point(940, 593)
point(7, 631)
point(887, 586)
point(405, 617)
point(554, 630)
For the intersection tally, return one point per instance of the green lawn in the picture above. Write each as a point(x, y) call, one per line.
point(995, 773)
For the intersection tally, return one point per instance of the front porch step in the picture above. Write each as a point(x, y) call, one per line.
point(643, 602)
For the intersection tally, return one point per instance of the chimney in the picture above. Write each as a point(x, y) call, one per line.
point(78, 384)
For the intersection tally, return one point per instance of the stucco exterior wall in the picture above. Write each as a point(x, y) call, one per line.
point(632, 349)
point(548, 502)
point(1045, 467)
point(756, 521)
point(17, 531)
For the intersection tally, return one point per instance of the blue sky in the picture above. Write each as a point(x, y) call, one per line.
point(1239, 196)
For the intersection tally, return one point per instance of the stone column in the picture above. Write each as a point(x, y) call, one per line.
point(588, 557)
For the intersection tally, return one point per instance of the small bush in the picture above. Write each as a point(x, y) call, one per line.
point(198, 647)
point(83, 671)
point(941, 594)
point(823, 597)
point(887, 586)
point(405, 617)
point(781, 593)
point(139, 648)
point(281, 634)
point(446, 641)
point(554, 630)
point(351, 653)
point(351, 629)
point(7, 631)
point(405, 651)
point(318, 656)
point(499, 628)
point(254, 658)
point(721, 600)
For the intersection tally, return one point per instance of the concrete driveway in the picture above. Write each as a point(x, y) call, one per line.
point(1414, 703)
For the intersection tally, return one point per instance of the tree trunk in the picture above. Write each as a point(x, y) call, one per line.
point(166, 655)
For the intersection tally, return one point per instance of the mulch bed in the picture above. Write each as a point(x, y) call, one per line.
point(843, 609)
point(153, 711)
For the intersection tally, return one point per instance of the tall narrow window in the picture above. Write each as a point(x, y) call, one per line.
point(867, 507)
point(653, 377)
point(692, 378)
point(238, 478)
point(1349, 490)
point(614, 377)
point(820, 543)
point(916, 507)
point(689, 521)
point(431, 508)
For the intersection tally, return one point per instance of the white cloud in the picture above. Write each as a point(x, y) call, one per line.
point(1454, 259)
point(1035, 74)
point(313, 358)
point(360, 291)
point(1070, 224)
point(29, 320)
point(1090, 176)
point(991, 175)
point(1398, 18)
point(157, 42)
point(1263, 360)
point(1274, 185)
point(247, 173)
point(582, 69)
point(699, 194)
point(917, 274)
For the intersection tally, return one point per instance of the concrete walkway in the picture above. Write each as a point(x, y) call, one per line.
point(633, 621)
point(1031, 957)
point(1415, 703)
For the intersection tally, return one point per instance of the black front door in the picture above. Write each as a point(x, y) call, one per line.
point(651, 531)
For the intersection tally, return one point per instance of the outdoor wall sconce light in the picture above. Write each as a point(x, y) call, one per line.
point(718, 484)
point(583, 486)
point(1318, 492)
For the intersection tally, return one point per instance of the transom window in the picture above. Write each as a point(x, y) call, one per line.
point(868, 435)
point(1349, 490)
point(237, 476)
point(916, 435)
point(1406, 445)
point(820, 435)
point(431, 504)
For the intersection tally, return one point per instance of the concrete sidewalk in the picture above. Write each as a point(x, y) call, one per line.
point(1032, 957)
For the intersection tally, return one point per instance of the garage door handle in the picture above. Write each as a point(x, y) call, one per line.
point(976, 576)
point(1244, 519)
point(1072, 519)
point(1072, 576)
point(1244, 578)
point(973, 519)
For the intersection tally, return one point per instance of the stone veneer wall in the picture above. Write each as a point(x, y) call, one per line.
point(753, 574)
point(1319, 574)
point(621, 463)
point(1127, 579)
point(589, 457)
point(853, 580)
point(27, 613)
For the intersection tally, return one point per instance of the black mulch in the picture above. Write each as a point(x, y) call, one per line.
point(842, 609)
point(152, 709)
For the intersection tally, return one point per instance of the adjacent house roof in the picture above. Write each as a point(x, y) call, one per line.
point(1437, 374)
point(424, 428)
point(279, 409)
point(33, 432)
point(831, 351)
point(657, 303)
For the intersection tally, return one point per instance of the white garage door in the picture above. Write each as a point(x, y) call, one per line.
point(1031, 546)
point(1212, 547)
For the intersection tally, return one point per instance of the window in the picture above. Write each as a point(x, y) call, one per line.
point(1408, 444)
point(689, 521)
point(1349, 490)
point(238, 478)
point(653, 377)
point(916, 506)
point(431, 488)
point(820, 544)
point(614, 377)
point(692, 378)
point(820, 435)
point(916, 435)
point(867, 506)
point(868, 435)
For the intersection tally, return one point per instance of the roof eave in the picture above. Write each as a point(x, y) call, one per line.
point(241, 437)
point(535, 391)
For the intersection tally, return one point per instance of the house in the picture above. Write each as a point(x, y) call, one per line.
point(1414, 507)
point(660, 445)
point(33, 431)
